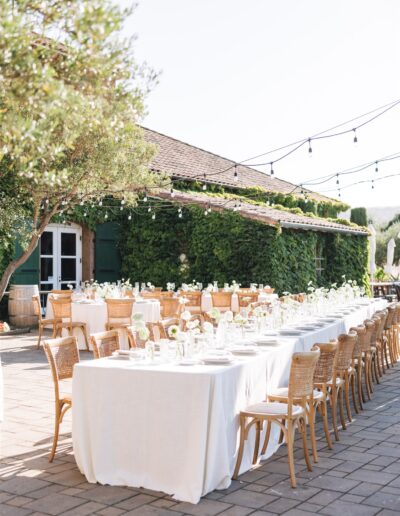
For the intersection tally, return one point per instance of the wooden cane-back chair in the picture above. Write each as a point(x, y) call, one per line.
point(288, 415)
point(388, 332)
point(56, 292)
point(222, 300)
point(134, 339)
point(104, 343)
point(62, 355)
point(246, 298)
point(170, 307)
point(193, 301)
point(62, 311)
point(42, 323)
point(119, 313)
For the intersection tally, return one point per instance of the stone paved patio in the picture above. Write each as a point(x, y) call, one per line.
point(361, 476)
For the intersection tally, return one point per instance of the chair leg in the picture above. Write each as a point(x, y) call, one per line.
point(353, 391)
point(40, 336)
point(376, 368)
point(359, 386)
point(311, 422)
point(347, 396)
point(302, 426)
point(366, 377)
point(258, 428)
point(370, 382)
point(83, 328)
point(341, 408)
point(56, 431)
point(333, 401)
point(289, 441)
point(241, 446)
point(324, 413)
point(267, 436)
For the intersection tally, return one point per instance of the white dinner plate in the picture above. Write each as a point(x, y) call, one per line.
point(290, 332)
point(268, 342)
point(244, 350)
point(188, 361)
point(214, 360)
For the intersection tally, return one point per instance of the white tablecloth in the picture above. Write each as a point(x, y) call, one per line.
point(174, 428)
point(95, 316)
point(206, 301)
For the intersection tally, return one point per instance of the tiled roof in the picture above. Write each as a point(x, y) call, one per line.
point(265, 214)
point(185, 161)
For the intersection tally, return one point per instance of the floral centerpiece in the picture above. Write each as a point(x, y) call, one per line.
point(140, 327)
point(4, 327)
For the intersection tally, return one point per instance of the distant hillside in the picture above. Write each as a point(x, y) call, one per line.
point(381, 215)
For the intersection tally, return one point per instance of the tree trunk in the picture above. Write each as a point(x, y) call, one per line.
point(14, 264)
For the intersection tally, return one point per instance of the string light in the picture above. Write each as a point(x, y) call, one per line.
point(81, 203)
point(235, 175)
point(339, 194)
point(172, 192)
point(204, 184)
point(130, 217)
point(309, 148)
point(121, 208)
point(337, 179)
point(376, 166)
point(272, 169)
point(355, 139)
point(149, 209)
point(106, 216)
point(372, 184)
point(47, 201)
point(153, 216)
point(85, 214)
point(122, 201)
point(100, 203)
point(145, 196)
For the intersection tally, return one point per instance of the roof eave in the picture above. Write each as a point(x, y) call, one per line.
point(325, 229)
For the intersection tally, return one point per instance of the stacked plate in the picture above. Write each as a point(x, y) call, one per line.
point(216, 357)
point(244, 350)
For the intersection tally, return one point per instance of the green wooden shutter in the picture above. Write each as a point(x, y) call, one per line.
point(28, 273)
point(107, 256)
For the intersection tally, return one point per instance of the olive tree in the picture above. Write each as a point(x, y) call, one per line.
point(71, 95)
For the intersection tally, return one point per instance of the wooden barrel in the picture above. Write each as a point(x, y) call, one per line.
point(20, 306)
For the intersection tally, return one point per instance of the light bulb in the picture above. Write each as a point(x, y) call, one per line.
point(376, 166)
point(272, 169)
point(172, 192)
point(355, 139)
point(130, 217)
point(153, 216)
point(309, 148)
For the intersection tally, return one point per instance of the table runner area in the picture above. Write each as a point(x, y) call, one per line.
point(173, 428)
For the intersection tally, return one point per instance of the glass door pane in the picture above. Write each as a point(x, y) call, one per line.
point(48, 264)
point(68, 258)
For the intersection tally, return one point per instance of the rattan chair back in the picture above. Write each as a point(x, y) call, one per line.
point(193, 297)
point(326, 361)
point(361, 332)
point(346, 343)
point(221, 299)
point(246, 298)
point(301, 378)
point(37, 309)
point(170, 307)
point(62, 307)
point(62, 355)
point(389, 319)
point(119, 310)
point(104, 343)
point(370, 327)
point(383, 316)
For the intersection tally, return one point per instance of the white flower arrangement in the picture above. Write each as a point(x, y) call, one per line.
point(228, 316)
point(193, 325)
point(143, 333)
point(215, 314)
point(208, 327)
point(4, 327)
point(150, 286)
point(187, 287)
point(183, 300)
point(173, 331)
point(186, 315)
point(240, 320)
point(170, 287)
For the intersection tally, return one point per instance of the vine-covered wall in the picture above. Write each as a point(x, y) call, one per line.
point(224, 246)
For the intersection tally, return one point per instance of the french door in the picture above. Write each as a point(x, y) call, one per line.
point(60, 257)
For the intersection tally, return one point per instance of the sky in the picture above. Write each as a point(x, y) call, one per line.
point(241, 78)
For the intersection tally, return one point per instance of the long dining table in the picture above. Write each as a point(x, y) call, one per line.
point(174, 428)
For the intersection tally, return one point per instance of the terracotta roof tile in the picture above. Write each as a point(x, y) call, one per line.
point(182, 160)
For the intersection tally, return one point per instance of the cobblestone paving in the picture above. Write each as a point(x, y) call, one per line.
point(361, 476)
